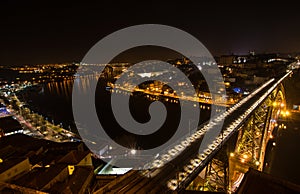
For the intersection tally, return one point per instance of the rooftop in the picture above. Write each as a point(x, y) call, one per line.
point(38, 178)
point(9, 124)
point(255, 181)
point(74, 182)
point(74, 157)
point(9, 163)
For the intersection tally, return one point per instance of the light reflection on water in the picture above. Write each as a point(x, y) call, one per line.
point(54, 99)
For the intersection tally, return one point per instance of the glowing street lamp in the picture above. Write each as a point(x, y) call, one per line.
point(287, 113)
point(133, 151)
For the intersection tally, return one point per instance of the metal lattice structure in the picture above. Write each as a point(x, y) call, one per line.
point(226, 170)
point(217, 174)
point(246, 132)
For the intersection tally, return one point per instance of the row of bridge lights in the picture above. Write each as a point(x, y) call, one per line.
point(244, 157)
point(194, 163)
point(173, 184)
point(282, 105)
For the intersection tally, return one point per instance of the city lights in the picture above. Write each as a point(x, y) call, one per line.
point(227, 116)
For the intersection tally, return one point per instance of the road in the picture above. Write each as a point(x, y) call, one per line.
point(36, 125)
point(207, 100)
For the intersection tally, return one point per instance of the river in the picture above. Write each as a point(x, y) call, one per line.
point(54, 101)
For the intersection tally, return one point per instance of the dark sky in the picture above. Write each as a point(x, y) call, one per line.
point(49, 32)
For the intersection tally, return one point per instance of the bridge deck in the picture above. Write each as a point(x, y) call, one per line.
point(156, 180)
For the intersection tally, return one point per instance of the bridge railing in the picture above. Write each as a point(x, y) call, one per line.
point(197, 164)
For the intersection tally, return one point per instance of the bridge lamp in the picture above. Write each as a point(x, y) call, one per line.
point(257, 163)
point(173, 184)
point(133, 151)
point(181, 175)
point(157, 163)
point(287, 113)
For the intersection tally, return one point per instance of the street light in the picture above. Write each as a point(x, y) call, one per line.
point(133, 151)
point(287, 113)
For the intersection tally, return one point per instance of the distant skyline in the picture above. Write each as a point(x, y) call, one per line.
point(52, 32)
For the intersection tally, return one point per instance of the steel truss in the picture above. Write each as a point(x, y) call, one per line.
point(229, 165)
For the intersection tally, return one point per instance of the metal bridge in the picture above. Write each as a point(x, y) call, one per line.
point(247, 128)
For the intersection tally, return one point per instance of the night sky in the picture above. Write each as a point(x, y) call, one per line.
point(52, 32)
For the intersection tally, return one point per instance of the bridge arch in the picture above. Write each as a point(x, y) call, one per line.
point(254, 136)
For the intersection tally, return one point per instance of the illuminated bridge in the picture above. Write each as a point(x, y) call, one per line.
point(247, 129)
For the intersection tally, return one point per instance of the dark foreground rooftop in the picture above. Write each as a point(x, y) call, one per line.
point(259, 182)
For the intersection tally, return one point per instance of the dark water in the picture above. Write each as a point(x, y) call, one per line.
point(53, 100)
